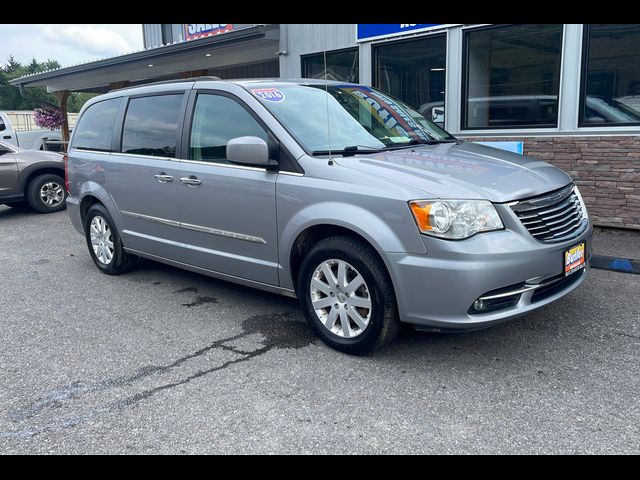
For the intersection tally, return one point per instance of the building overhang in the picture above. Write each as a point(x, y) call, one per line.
point(254, 44)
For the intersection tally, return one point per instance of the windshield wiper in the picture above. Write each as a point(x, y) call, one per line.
point(415, 142)
point(348, 151)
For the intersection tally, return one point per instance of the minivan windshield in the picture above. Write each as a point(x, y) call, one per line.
point(361, 118)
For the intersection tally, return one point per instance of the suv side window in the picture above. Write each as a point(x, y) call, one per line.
point(151, 125)
point(94, 130)
point(216, 120)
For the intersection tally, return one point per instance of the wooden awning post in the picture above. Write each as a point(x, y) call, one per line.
point(62, 97)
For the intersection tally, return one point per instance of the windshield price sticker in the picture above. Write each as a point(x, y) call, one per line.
point(268, 94)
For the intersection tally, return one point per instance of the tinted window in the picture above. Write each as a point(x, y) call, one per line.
point(216, 120)
point(341, 66)
point(512, 76)
point(414, 72)
point(94, 130)
point(151, 125)
point(611, 93)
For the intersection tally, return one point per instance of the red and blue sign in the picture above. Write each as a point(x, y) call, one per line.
point(268, 94)
point(193, 31)
point(368, 31)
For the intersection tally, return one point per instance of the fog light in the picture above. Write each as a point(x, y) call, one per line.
point(478, 305)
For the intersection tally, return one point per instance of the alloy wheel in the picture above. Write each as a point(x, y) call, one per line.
point(340, 298)
point(101, 240)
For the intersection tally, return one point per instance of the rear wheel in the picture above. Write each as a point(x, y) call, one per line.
point(46, 193)
point(347, 296)
point(104, 243)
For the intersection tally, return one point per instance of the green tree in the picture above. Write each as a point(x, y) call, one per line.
point(10, 97)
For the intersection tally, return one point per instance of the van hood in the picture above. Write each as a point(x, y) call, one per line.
point(462, 170)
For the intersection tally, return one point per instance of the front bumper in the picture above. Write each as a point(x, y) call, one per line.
point(436, 291)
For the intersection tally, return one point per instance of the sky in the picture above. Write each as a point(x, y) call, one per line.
point(68, 43)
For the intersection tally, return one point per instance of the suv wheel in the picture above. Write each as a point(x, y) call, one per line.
point(46, 193)
point(105, 245)
point(347, 296)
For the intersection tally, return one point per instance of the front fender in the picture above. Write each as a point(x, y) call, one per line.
point(369, 225)
point(27, 171)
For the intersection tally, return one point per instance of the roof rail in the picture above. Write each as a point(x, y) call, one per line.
point(175, 80)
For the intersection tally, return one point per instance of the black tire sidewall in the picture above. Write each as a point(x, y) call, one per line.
point(364, 342)
point(115, 266)
point(33, 193)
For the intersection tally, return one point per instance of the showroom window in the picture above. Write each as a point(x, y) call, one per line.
point(95, 128)
point(342, 65)
point(511, 76)
point(611, 75)
point(151, 125)
point(414, 71)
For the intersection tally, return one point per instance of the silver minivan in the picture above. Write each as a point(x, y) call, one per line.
point(334, 193)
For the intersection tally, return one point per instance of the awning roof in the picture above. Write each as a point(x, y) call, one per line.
point(168, 61)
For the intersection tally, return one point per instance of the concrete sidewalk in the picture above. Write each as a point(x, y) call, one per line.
point(615, 242)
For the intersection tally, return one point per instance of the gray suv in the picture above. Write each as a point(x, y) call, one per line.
point(31, 177)
point(334, 193)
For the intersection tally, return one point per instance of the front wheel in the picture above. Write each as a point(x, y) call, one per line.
point(105, 245)
point(347, 296)
point(46, 193)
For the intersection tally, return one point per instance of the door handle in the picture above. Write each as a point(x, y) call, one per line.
point(7, 137)
point(191, 181)
point(163, 177)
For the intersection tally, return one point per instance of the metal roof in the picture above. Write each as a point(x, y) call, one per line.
point(120, 65)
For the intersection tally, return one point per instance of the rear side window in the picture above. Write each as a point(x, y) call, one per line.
point(94, 130)
point(216, 120)
point(151, 125)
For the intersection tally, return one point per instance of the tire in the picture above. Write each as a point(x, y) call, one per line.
point(358, 258)
point(119, 261)
point(47, 186)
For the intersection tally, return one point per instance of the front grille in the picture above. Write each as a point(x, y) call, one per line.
point(553, 217)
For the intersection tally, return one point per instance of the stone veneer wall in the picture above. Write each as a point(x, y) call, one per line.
point(606, 169)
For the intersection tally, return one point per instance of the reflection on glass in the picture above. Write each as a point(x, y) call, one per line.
point(414, 71)
point(612, 70)
point(350, 117)
point(512, 76)
point(151, 125)
point(216, 120)
point(341, 66)
point(95, 132)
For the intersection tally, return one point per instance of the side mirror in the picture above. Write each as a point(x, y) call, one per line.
point(248, 151)
point(3, 127)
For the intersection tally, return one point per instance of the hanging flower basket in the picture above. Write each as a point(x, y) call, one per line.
point(48, 117)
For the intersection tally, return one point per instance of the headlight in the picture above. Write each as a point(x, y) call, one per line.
point(455, 219)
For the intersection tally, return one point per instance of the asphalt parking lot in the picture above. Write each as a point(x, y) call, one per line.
point(166, 361)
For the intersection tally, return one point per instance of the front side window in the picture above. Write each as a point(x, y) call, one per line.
point(611, 73)
point(216, 120)
point(349, 117)
point(151, 125)
point(414, 71)
point(94, 130)
point(512, 76)
point(341, 66)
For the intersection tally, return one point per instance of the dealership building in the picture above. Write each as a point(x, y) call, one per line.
point(568, 94)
